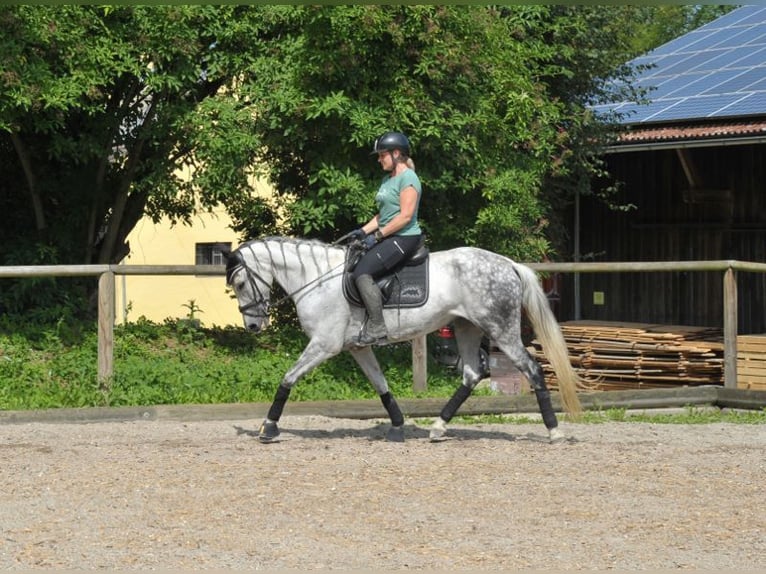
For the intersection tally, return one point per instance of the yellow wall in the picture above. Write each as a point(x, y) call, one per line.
point(159, 297)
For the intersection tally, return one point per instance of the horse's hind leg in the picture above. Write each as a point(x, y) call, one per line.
point(371, 368)
point(468, 338)
point(527, 364)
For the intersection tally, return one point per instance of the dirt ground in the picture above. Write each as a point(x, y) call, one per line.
point(331, 494)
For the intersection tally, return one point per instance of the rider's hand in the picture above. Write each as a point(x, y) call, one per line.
point(369, 241)
point(357, 234)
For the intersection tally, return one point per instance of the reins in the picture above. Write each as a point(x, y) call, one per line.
point(301, 288)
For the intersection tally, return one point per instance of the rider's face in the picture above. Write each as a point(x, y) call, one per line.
point(386, 160)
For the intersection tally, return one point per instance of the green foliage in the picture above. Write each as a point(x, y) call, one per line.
point(106, 110)
point(179, 363)
point(51, 367)
point(483, 131)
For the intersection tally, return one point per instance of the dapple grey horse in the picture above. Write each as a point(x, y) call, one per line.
point(477, 290)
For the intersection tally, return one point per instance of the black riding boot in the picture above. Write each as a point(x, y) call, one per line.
point(375, 332)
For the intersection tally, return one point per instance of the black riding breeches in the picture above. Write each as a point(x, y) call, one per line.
point(386, 255)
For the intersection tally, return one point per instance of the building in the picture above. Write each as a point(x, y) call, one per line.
point(693, 163)
point(158, 297)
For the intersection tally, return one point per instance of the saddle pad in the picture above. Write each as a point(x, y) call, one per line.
point(406, 287)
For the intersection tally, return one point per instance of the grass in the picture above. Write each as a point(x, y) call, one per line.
point(688, 415)
point(180, 362)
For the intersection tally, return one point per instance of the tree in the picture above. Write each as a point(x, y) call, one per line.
point(103, 106)
point(493, 99)
point(651, 26)
point(102, 112)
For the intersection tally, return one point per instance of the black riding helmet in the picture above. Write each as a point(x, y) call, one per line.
point(390, 141)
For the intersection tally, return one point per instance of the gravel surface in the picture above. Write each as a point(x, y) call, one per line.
point(331, 494)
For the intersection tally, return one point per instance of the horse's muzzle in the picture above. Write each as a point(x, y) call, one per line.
point(255, 324)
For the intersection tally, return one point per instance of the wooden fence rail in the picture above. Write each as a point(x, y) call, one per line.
point(106, 290)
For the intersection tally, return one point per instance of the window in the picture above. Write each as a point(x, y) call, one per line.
point(211, 253)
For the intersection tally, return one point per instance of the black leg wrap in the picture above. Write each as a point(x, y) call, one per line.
point(393, 410)
point(275, 412)
point(457, 399)
point(546, 408)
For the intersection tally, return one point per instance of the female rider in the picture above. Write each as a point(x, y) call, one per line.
point(393, 234)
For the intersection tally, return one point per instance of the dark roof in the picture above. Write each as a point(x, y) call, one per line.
point(692, 135)
point(707, 84)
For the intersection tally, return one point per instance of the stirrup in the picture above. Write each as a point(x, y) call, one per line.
point(365, 340)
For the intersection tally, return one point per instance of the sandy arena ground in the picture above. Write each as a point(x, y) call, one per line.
point(331, 494)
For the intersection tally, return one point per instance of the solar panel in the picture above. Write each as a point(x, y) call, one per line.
point(738, 80)
point(672, 85)
point(696, 107)
point(738, 39)
point(750, 105)
point(760, 85)
point(717, 70)
point(701, 60)
point(712, 82)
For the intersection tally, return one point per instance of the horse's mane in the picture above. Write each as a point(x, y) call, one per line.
point(316, 249)
point(297, 241)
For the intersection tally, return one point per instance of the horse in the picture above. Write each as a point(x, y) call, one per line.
point(476, 290)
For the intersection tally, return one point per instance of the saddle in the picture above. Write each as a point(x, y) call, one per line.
point(404, 286)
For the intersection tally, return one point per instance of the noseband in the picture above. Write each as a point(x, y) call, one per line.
point(261, 301)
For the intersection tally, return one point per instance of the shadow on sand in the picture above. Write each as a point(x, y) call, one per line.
point(377, 432)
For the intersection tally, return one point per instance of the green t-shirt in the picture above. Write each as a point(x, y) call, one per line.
point(389, 204)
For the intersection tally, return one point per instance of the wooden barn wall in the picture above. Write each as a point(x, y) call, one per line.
point(724, 219)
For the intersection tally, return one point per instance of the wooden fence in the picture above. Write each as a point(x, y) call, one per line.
point(106, 297)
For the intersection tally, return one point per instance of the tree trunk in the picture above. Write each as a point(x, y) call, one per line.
point(37, 203)
point(108, 245)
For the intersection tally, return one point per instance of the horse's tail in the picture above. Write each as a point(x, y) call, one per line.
point(547, 330)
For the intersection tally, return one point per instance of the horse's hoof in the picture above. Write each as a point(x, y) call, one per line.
point(436, 436)
point(268, 432)
point(556, 436)
point(438, 429)
point(395, 434)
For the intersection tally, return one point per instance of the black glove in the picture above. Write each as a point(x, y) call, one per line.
point(369, 241)
point(357, 234)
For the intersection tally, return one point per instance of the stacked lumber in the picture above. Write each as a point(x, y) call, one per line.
point(751, 362)
point(622, 356)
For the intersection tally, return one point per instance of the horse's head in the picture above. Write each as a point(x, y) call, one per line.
point(252, 287)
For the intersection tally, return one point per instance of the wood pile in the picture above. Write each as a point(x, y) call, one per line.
point(621, 356)
point(751, 362)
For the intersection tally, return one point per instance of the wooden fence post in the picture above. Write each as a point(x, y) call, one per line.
point(730, 329)
point(419, 360)
point(105, 327)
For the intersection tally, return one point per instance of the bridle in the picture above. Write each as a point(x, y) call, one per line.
point(261, 301)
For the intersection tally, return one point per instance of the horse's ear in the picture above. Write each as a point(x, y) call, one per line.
point(233, 260)
point(225, 251)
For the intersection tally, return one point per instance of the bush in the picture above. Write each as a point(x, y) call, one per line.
point(54, 364)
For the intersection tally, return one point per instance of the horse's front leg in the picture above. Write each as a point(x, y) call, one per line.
point(312, 356)
point(371, 368)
